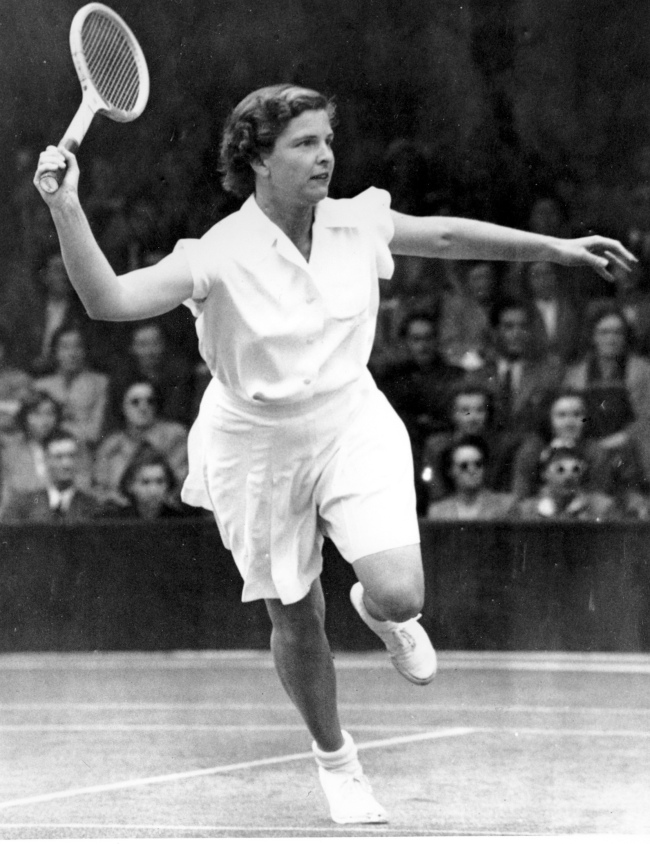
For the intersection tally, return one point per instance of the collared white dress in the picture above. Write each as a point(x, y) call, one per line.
point(293, 440)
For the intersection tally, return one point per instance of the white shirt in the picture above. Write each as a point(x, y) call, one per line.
point(60, 499)
point(516, 370)
point(548, 312)
point(275, 328)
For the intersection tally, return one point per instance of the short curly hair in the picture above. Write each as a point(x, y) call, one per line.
point(254, 126)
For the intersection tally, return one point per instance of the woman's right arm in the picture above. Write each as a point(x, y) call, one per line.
point(136, 295)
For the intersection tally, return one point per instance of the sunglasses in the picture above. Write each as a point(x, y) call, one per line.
point(465, 465)
point(564, 469)
point(137, 400)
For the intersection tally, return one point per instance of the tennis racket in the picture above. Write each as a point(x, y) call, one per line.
point(113, 73)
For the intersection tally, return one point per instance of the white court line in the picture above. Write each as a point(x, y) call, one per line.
point(181, 728)
point(222, 769)
point(568, 731)
point(390, 830)
point(289, 707)
point(633, 663)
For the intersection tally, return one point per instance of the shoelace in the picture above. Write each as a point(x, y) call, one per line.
point(361, 779)
point(402, 641)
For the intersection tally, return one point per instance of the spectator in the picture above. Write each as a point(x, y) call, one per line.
point(81, 392)
point(465, 317)
point(633, 299)
point(62, 500)
point(151, 359)
point(470, 414)
point(419, 388)
point(618, 473)
point(148, 485)
point(58, 306)
point(563, 494)
point(22, 455)
point(105, 207)
point(463, 467)
point(616, 384)
point(140, 424)
point(554, 320)
point(517, 379)
point(14, 385)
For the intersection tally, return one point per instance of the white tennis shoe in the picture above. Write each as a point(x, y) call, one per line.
point(348, 792)
point(410, 648)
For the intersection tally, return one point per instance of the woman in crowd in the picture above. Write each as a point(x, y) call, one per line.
point(148, 485)
point(470, 414)
point(14, 385)
point(22, 455)
point(463, 466)
point(616, 385)
point(564, 494)
point(615, 471)
point(141, 424)
point(81, 392)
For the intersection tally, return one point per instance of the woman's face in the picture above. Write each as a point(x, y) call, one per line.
point(149, 486)
point(299, 168)
point(563, 475)
point(467, 468)
point(568, 418)
point(139, 406)
point(610, 337)
point(41, 421)
point(481, 283)
point(470, 413)
point(70, 352)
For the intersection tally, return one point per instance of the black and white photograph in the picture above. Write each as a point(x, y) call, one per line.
point(325, 419)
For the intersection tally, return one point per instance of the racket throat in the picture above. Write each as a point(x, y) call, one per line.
point(78, 127)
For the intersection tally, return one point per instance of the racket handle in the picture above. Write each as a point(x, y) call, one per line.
point(51, 180)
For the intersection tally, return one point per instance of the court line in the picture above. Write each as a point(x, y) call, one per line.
point(173, 728)
point(291, 728)
point(288, 707)
point(222, 769)
point(389, 830)
point(598, 662)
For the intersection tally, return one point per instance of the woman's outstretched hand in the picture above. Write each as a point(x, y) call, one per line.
point(599, 253)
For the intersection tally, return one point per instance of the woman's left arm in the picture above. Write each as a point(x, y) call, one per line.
point(457, 238)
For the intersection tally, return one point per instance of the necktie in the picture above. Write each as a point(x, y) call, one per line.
point(507, 388)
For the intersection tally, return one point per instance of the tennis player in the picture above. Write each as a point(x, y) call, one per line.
point(293, 441)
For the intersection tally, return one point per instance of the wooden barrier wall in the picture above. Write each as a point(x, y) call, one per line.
point(493, 586)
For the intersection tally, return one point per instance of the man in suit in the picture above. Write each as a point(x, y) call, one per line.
point(554, 321)
point(518, 379)
point(62, 501)
point(420, 386)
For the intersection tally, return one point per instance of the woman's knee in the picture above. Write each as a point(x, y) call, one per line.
point(400, 603)
point(303, 621)
point(394, 581)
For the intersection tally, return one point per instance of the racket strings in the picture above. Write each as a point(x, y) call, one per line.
point(111, 64)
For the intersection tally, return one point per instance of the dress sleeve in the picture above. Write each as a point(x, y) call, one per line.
point(374, 205)
point(203, 271)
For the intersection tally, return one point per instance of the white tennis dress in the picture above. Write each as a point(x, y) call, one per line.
point(293, 440)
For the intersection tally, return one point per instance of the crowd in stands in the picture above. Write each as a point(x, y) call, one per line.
point(525, 389)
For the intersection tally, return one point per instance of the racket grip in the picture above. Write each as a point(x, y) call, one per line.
point(51, 180)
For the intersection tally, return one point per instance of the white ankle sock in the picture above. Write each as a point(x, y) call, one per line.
point(345, 758)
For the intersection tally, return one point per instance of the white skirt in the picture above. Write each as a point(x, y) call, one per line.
point(279, 478)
